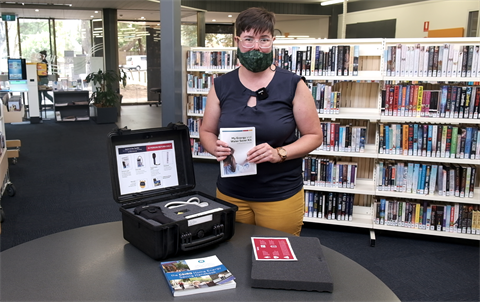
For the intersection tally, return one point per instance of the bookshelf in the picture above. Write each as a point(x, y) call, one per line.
point(71, 105)
point(362, 103)
point(202, 66)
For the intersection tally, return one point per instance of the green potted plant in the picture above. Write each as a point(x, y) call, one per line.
point(106, 97)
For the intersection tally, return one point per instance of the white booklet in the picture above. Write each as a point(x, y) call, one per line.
point(240, 140)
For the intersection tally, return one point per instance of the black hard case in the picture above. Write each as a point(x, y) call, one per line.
point(160, 241)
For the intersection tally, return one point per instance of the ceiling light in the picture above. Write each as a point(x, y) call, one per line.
point(37, 10)
point(213, 20)
point(96, 12)
point(24, 4)
point(230, 16)
point(330, 2)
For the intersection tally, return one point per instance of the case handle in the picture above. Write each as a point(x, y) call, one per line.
point(202, 242)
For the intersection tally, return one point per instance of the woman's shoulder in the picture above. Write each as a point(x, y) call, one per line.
point(227, 78)
point(287, 73)
point(229, 75)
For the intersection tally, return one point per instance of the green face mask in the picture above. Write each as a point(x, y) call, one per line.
point(254, 60)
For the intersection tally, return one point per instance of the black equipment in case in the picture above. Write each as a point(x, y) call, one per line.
point(153, 178)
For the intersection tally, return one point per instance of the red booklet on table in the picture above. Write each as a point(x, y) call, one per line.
point(273, 249)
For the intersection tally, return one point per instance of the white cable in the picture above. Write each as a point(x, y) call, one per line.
point(192, 201)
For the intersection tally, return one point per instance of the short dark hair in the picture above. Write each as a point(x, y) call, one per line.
point(43, 52)
point(256, 18)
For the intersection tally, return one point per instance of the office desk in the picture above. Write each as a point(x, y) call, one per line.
point(95, 263)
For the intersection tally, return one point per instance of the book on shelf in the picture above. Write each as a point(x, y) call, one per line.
point(350, 138)
point(319, 60)
point(200, 83)
point(198, 149)
point(324, 172)
point(211, 59)
point(346, 60)
point(449, 101)
point(429, 140)
point(309, 66)
point(356, 58)
point(326, 100)
point(428, 216)
point(195, 276)
point(196, 103)
point(299, 62)
point(443, 60)
point(329, 205)
point(193, 125)
point(240, 141)
point(426, 179)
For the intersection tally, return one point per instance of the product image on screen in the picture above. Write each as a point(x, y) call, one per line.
point(154, 166)
point(17, 69)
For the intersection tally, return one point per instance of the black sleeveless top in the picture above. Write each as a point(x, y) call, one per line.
point(274, 124)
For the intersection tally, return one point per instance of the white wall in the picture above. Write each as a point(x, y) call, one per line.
point(315, 27)
point(410, 17)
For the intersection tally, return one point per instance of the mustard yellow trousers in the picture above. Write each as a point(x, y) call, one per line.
point(283, 215)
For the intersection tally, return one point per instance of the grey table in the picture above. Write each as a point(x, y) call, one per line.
point(95, 263)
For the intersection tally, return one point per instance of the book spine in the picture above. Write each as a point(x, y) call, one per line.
point(356, 55)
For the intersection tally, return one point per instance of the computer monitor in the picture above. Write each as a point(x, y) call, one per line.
point(17, 69)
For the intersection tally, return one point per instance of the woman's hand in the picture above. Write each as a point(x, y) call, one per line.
point(262, 153)
point(222, 150)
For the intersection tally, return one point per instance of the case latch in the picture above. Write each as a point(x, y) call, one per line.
point(186, 238)
point(175, 126)
point(120, 131)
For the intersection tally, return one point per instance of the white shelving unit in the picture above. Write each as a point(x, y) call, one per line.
point(5, 183)
point(196, 69)
point(370, 152)
point(434, 197)
point(370, 114)
point(362, 97)
point(363, 186)
point(429, 120)
point(362, 218)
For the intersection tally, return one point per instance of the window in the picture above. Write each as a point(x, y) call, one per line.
point(219, 35)
point(3, 47)
point(472, 24)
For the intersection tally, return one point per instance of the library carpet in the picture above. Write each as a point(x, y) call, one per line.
point(62, 181)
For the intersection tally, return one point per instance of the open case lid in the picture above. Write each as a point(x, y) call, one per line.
point(150, 162)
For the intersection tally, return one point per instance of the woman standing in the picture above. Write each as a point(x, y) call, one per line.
point(277, 103)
